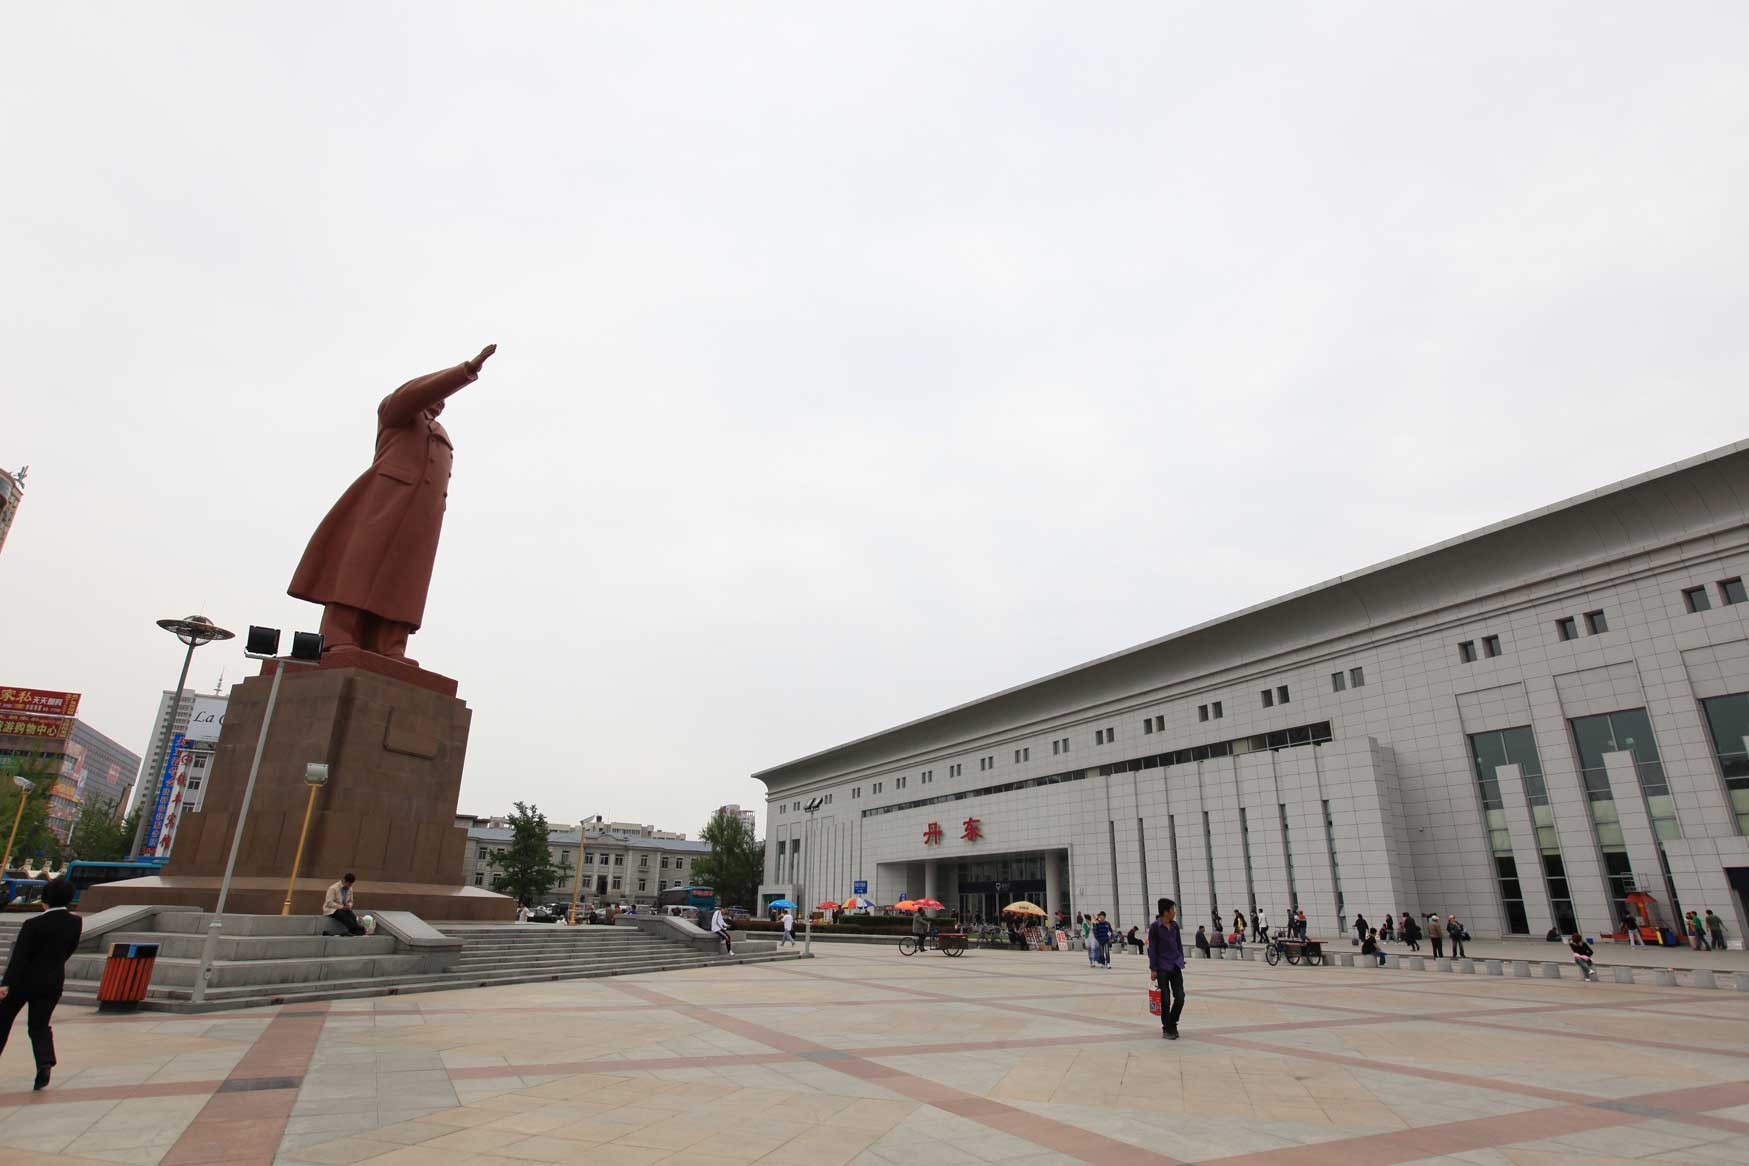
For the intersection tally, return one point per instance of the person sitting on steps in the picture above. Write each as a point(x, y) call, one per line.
point(337, 904)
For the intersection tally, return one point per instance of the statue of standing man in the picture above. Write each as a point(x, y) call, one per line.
point(369, 563)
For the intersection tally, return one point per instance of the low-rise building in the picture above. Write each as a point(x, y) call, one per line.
point(619, 865)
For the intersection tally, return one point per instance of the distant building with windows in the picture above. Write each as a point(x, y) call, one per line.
point(619, 865)
point(11, 497)
point(1521, 726)
point(747, 817)
point(91, 771)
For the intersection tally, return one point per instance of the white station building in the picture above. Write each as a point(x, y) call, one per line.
point(1520, 726)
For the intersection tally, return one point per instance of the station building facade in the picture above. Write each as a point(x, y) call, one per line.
point(1520, 726)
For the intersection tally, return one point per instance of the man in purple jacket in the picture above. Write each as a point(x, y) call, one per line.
point(1166, 966)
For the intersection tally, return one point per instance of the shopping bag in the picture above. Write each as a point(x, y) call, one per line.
point(1154, 1001)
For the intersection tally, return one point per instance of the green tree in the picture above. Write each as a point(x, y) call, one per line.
point(736, 861)
point(526, 868)
point(99, 836)
point(34, 836)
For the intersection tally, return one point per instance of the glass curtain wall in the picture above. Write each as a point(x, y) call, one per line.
point(1517, 746)
point(1626, 731)
point(1728, 719)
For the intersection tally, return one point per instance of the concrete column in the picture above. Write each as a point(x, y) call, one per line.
point(932, 880)
point(1053, 885)
point(1526, 852)
point(1636, 826)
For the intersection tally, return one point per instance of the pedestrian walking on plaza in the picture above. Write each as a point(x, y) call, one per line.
point(1436, 936)
point(337, 904)
point(1166, 965)
point(720, 929)
point(789, 929)
point(1360, 928)
point(1633, 929)
point(1697, 932)
point(1300, 922)
point(1369, 947)
point(1582, 954)
point(1717, 926)
point(1454, 931)
point(1256, 923)
point(1239, 925)
point(1102, 936)
point(37, 971)
point(1411, 932)
point(1388, 929)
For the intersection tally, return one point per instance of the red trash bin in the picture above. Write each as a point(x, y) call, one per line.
point(126, 975)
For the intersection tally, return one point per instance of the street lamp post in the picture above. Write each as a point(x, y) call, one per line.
point(193, 631)
point(263, 644)
point(25, 789)
point(807, 860)
point(577, 884)
point(315, 776)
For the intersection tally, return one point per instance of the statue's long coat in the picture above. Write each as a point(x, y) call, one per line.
point(376, 548)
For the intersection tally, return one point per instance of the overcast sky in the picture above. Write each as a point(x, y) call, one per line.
point(851, 364)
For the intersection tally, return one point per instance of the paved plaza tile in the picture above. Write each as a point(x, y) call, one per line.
point(863, 1058)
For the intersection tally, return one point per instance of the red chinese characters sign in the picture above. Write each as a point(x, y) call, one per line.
point(932, 835)
point(39, 702)
point(973, 831)
point(25, 725)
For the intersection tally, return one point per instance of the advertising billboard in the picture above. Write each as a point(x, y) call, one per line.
point(41, 702)
point(29, 725)
point(207, 718)
point(163, 825)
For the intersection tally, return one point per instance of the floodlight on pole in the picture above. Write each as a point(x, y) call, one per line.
point(577, 884)
point(193, 631)
point(315, 776)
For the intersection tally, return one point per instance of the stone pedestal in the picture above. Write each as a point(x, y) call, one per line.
point(393, 737)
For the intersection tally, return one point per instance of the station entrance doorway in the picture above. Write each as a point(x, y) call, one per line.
point(988, 885)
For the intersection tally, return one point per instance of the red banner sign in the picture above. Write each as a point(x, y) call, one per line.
point(39, 702)
point(25, 725)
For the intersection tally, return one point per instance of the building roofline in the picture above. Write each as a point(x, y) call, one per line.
point(1526, 518)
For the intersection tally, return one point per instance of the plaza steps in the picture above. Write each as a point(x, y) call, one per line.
point(291, 960)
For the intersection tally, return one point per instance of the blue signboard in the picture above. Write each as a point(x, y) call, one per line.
point(859, 887)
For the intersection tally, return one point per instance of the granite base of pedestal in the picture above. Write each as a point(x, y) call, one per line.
point(393, 738)
point(258, 896)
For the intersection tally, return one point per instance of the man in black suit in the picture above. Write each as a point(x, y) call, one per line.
point(37, 972)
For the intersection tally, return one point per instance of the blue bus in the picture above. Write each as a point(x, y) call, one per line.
point(703, 898)
point(85, 875)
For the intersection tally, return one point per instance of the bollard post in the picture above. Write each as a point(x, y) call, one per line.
point(1624, 975)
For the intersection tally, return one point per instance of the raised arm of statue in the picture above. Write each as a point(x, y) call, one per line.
point(413, 398)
